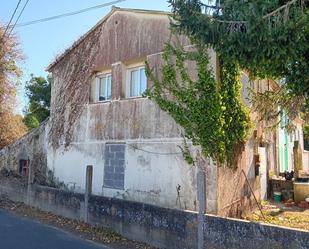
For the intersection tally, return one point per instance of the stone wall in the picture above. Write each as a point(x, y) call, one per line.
point(152, 163)
point(234, 195)
point(160, 227)
point(30, 147)
point(222, 233)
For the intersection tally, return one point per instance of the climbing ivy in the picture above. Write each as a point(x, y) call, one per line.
point(236, 116)
point(267, 38)
point(210, 111)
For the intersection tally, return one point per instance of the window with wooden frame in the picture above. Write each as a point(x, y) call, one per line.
point(136, 81)
point(104, 87)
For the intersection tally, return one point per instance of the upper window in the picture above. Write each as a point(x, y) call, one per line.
point(137, 81)
point(105, 87)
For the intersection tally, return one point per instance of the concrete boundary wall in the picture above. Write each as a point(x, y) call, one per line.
point(160, 227)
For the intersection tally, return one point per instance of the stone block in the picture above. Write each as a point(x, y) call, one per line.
point(108, 183)
point(116, 148)
point(118, 184)
point(109, 169)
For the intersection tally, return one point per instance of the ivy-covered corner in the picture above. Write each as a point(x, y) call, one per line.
point(267, 39)
point(209, 108)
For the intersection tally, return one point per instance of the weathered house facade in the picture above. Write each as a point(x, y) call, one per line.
point(99, 118)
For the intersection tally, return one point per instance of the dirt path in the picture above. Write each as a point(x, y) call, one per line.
point(277, 214)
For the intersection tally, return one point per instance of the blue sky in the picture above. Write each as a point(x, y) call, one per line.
point(41, 42)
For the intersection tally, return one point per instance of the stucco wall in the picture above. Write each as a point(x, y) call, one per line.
point(306, 160)
point(150, 176)
point(120, 40)
point(154, 164)
point(234, 196)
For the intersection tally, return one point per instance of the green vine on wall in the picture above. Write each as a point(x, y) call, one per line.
point(210, 111)
point(269, 39)
point(236, 115)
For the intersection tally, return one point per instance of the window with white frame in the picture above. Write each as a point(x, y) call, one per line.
point(104, 87)
point(137, 81)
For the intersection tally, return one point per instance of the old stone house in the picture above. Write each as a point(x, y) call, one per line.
point(99, 117)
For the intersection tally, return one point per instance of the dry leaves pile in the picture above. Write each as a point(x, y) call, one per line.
point(288, 217)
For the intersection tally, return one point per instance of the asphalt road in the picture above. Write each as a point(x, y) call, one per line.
point(20, 233)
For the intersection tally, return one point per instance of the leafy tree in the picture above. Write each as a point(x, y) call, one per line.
point(31, 121)
point(38, 91)
point(11, 126)
point(268, 39)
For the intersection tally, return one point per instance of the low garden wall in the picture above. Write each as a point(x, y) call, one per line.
point(159, 227)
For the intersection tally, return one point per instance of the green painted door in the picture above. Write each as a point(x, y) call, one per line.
point(283, 145)
point(286, 150)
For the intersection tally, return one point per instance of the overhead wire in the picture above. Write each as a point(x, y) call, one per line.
point(155, 152)
point(9, 23)
point(21, 12)
point(68, 14)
